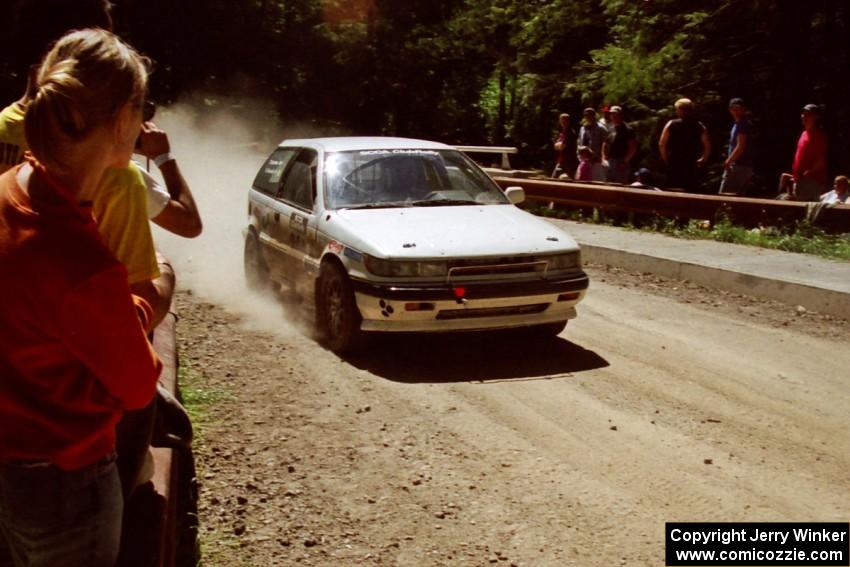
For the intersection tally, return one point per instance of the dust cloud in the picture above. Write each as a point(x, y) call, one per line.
point(219, 151)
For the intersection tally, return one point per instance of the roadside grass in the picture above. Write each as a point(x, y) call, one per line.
point(215, 545)
point(199, 398)
point(196, 394)
point(803, 238)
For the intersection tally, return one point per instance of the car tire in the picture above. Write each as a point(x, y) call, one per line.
point(338, 317)
point(256, 271)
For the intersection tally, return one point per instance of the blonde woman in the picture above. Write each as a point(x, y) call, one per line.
point(73, 351)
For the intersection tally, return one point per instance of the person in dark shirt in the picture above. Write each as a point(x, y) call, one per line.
point(592, 134)
point(619, 148)
point(684, 147)
point(738, 167)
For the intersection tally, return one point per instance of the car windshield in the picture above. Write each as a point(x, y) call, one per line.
point(406, 178)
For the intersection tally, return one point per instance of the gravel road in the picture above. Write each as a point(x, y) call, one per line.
point(662, 402)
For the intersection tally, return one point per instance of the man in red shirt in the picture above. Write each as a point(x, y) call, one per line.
point(810, 166)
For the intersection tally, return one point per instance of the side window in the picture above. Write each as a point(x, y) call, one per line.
point(299, 187)
point(268, 179)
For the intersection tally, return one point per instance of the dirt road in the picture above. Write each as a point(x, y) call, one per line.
point(661, 402)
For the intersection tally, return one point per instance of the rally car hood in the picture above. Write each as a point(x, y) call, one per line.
point(446, 232)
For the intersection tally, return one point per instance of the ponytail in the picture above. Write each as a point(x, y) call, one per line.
point(82, 84)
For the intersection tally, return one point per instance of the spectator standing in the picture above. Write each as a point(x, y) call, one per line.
point(565, 147)
point(684, 147)
point(584, 172)
point(73, 350)
point(123, 200)
point(619, 148)
point(810, 161)
point(840, 193)
point(592, 135)
point(738, 167)
point(605, 121)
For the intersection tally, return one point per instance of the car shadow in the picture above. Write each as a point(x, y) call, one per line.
point(469, 357)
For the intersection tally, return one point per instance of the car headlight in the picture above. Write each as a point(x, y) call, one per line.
point(404, 269)
point(568, 261)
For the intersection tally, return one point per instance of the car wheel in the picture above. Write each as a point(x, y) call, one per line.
point(256, 271)
point(338, 317)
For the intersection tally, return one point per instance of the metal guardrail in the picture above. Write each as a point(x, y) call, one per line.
point(743, 211)
point(503, 150)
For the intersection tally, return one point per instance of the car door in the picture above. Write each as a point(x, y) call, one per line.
point(266, 188)
point(294, 228)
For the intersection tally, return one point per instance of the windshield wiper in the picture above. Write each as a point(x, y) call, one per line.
point(441, 202)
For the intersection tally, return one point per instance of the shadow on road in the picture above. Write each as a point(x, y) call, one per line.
point(465, 357)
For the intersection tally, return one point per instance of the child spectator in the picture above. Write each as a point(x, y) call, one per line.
point(839, 194)
point(73, 351)
point(584, 172)
point(643, 180)
point(592, 134)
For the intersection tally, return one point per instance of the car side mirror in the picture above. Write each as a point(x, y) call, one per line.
point(515, 195)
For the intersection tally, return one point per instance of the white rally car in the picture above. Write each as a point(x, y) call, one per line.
point(393, 234)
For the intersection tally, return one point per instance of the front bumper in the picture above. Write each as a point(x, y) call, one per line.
point(488, 305)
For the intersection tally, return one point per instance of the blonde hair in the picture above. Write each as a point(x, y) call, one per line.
point(82, 84)
point(685, 103)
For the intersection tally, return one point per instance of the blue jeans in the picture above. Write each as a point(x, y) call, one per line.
point(56, 518)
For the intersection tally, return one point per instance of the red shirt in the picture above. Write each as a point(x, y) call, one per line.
point(811, 156)
point(73, 352)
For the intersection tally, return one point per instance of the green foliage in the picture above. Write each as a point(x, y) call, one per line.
point(197, 396)
point(803, 238)
point(500, 71)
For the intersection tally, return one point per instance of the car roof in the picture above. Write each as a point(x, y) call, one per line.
point(353, 143)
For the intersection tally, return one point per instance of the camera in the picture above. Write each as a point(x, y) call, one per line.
point(148, 112)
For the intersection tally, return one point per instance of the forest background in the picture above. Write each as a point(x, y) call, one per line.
point(500, 71)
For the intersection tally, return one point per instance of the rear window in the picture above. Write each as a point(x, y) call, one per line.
point(269, 177)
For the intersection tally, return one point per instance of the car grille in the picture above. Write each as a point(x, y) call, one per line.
point(508, 266)
point(492, 311)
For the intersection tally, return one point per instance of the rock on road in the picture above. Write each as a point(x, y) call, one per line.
point(653, 406)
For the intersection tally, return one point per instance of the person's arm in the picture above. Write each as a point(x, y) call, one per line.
point(180, 214)
point(157, 292)
point(706, 147)
point(105, 328)
point(605, 150)
point(662, 142)
point(740, 145)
